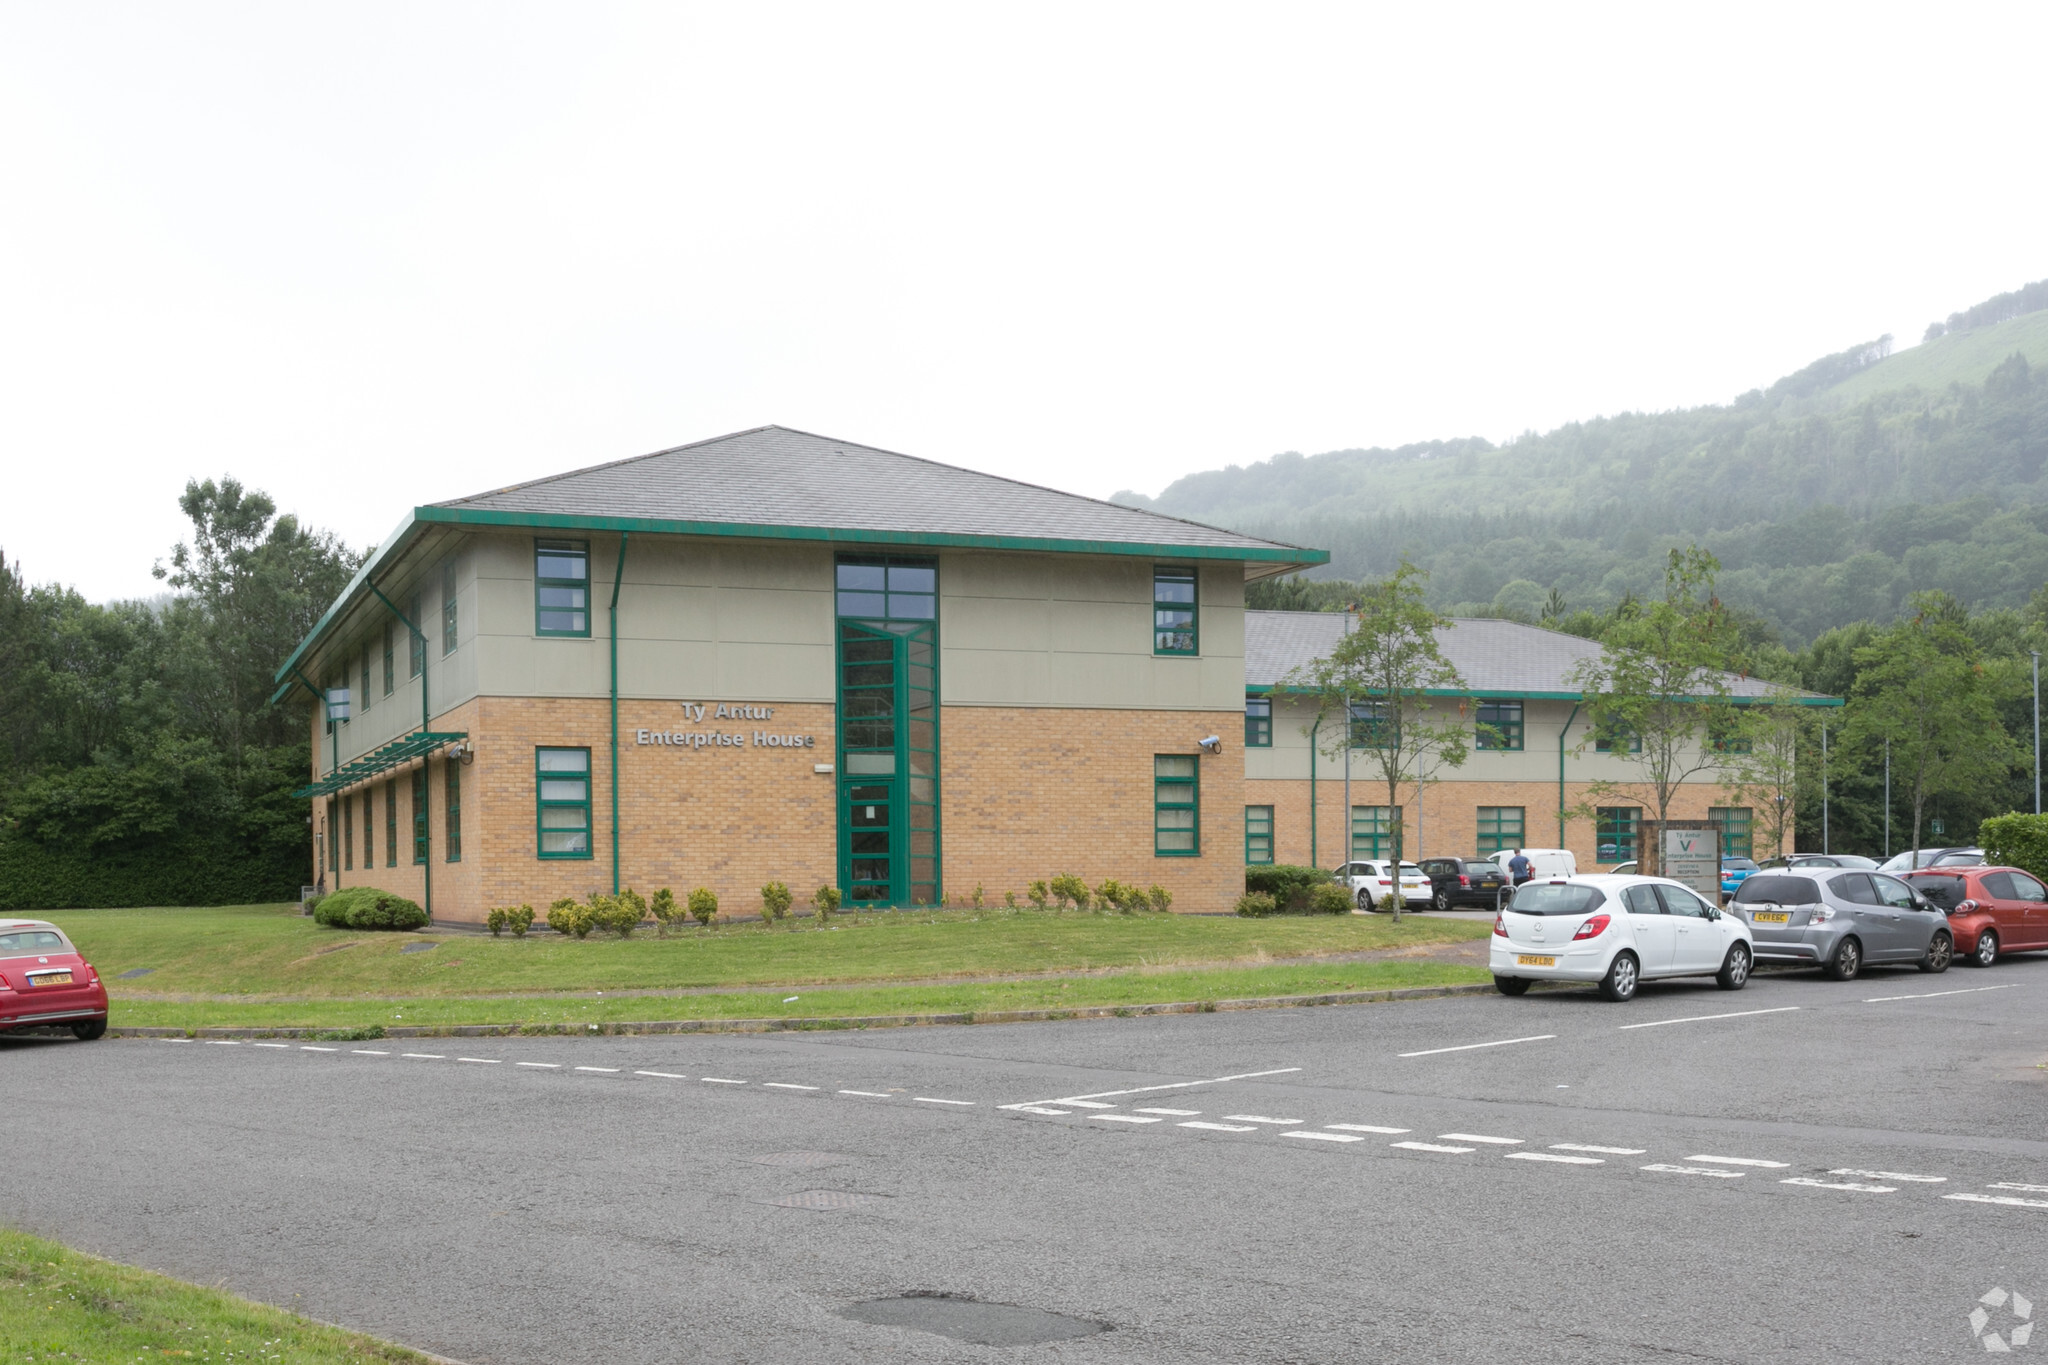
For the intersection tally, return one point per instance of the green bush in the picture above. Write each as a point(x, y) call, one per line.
point(1161, 898)
point(494, 920)
point(366, 907)
point(776, 898)
point(572, 917)
point(824, 901)
point(703, 905)
point(626, 912)
point(2016, 841)
point(1328, 899)
point(1254, 904)
point(1038, 894)
point(196, 870)
point(519, 918)
point(665, 911)
point(1067, 890)
point(1285, 882)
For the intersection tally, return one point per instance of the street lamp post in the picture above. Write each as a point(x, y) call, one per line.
point(2037, 730)
point(1888, 801)
point(1824, 788)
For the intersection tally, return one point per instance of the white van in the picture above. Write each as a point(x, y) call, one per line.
point(1543, 862)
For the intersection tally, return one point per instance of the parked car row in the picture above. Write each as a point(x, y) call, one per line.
point(45, 982)
point(1448, 883)
point(1618, 930)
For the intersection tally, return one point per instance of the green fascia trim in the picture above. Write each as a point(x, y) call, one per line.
point(388, 549)
point(398, 752)
point(1264, 689)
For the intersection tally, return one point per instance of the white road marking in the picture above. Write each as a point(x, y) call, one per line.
point(926, 1099)
point(480, 1061)
point(1467, 1047)
point(221, 1042)
point(310, 1048)
point(1553, 1156)
point(1325, 1137)
point(864, 1094)
point(425, 1056)
point(665, 1075)
point(1173, 1113)
point(1692, 1170)
point(1586, 1147)
point(1024, 1108)
point(1704, 1018)
point(1429, 1147)
point(1742, 1161)
point(1892, 1175)
point(1148, 1089)
point(1365, 1128)
point(1999, 1199)
point(2023, 1189)
point(1261, 1118)
point(1222, 1127)
point(713, 1080)
point(550, 1066)
point(1480, 1137)
point(368, 1052)
point(779, 1085)
point(1812, 1183)
point(607, 1070)
point(1123, 1118)
point(1086, 1104)
point(283, 1045)
point(1967, 990)
point(174, 1040)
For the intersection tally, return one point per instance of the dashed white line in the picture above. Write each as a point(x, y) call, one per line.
point(2023, 1189)
point(1468, 1047)
point(1892, 1175)
point(1669, 1169)
point(425, 1056)
point(607, 1070)
point(545, 1066)
point(481, 1061)
point(1324, 1137)
point(786, 1085)
point(1812, 1183)
point(1221, 1127)
point(664, 1075)
point(1023, 1108)
point(2005, 1199)
point(1261, 1118)
point(719, 1080)
point(1554, 1156)
point(1480, 1137)
point(1430, 1147)
point(1705, 1018)
point(1742, 1161)
point(1365, 1128)
point(1124, 1118)
point(310, 1048)
point(926, 1099)
point(864, 1094)
point(283, 1045)
point(1173, 1113)
point(1086, 1104)
point(368, 1052)
point(1148, 1089)
point(222, 1042)
point(1967, 990)
point(1587, 1147)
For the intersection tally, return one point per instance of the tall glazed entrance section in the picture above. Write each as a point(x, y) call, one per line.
point(888, 760)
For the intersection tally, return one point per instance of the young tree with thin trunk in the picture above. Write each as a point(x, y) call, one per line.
point(1760, 744)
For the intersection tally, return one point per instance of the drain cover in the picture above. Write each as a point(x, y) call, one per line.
point(807, 1160)
point(984, 1324)
point(418, 947)
point(826, 1199)
point(134, 972)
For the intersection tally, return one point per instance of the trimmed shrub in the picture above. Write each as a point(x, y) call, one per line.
point(824, 901)
point(519, 918)
point(1284, 881)
point(1255, 904)
point(623, 913)
point(776, 899)
point(1160, 897)
point(1010, 899)
point(1327, 899)
point(1068, 889)
point(665, 911)
point(494, 920)
point(703, 905)
point(1038, 894)
point(2016, 840)
point(572, 917)
point(366, 907)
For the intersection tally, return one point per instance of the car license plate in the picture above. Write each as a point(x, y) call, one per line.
point(51, 979)
point(1532, 960)
point(1771, 917)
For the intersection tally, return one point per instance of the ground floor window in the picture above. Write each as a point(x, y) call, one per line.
point(1616, 829)
point(369, 828)
point(1258, 834)
point(1176, 806)
point(562, 778)
point(1500, 828)
point(348, 834)
point(419, 814)
point(391, 822)
point(328, 857)
point(1372, 831)
point(453, 837)
point(1734, 824)
point(1258, 722)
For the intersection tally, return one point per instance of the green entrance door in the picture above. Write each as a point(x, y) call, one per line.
point(870, 844)
point(888, 733)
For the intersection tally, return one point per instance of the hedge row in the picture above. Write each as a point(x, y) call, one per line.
point(365, 907)
point(36, 877)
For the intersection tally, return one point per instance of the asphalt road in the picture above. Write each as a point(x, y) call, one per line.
point(1844, 1177)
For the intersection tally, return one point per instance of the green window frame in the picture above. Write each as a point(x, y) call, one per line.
point(333, 840)
point(1176, 806)
point(561, 783)
point(1370, 728)
point(1258, 836)
point(419, 814)
point(416, 656)
point(449, 605)
point(1501, 828)
point(391, 822)
point(369, 828)
point(366, 678)
point(451, 838)
point(1258, 722)
point(1737, 830)
point(1606, 743)
point(561, 588)
point(348, 833)
point(1372, 831)
point(1617, 832)
point(1506, 719)
point(390, 659)
point(886, 588)
point(1176, 613)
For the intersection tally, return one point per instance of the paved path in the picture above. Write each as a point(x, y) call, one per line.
point(1801, 1170)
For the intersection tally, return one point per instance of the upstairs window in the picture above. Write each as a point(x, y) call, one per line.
point(561, 587)
point(416, 659)
point(1505, 720)
point(1614, 739)
point(1615, 829)
point(1258, 722)
point(1371, 727)
point(448, 601)
point(390, 658)
point(880, 589)
point(1736, 830)
point(366, 678)
point(1173, 612)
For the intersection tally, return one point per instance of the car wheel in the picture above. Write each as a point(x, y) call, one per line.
point(1620, 981)
point(89, 1030)
point(1365, 900)
point(1848, 961)
point(1734, 973)
point(1511, 985)
point(1940, 953)
point(1441, 900)
point(1987, 950)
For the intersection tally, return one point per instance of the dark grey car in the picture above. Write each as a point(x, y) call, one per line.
point(1842, 920)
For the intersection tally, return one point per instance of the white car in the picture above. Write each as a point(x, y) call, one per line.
point(1372, 879)
point(1616, 932)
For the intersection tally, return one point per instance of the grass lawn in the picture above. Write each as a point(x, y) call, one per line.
point(59, 1305)
point(267, 965)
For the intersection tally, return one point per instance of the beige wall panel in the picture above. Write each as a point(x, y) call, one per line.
point(776, 672)
point(1102, 578)
point(505, 605)
point(997, 623)
point(967, 573)
point(1093, 627)
point(988, 677)
point(774, 616)
point(568, 668)
point(667, 668)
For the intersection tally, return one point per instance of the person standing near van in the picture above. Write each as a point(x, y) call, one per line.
point(1519, 868)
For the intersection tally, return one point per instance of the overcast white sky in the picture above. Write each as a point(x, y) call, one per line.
point(372, 255)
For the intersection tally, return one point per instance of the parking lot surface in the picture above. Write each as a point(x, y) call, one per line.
point(1804, 1169)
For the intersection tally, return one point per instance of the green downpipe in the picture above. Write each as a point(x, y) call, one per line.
point(1314, 858)
point(425, 813)
point(618, 576)
point(1560, 773)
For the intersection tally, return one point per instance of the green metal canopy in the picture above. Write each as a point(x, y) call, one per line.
point(396, 754)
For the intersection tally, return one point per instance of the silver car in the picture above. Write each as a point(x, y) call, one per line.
point(1841, 920)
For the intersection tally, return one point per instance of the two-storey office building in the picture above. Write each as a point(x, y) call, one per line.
point(1531, 762)
point(778, 656)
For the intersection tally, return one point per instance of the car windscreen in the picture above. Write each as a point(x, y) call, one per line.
point(24, 942)
point(1778, 888)
point(1737, 865)
point(1556, 898)
point(1946, 892)
point(1482, 869)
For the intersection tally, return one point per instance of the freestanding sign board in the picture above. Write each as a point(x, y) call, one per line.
point(1693, 856)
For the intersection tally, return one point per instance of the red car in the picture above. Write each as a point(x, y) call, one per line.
point(45, 983)
point(1991, 910)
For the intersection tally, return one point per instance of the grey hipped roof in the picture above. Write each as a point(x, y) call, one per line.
point(1498, 658)
point(776, 477)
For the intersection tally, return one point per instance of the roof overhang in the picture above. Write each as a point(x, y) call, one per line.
point(381, 760)
point(1484, 694)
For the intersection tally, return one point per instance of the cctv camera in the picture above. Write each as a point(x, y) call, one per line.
point(1212, 745)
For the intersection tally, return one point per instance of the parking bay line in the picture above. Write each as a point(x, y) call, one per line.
point(1742, 1161)
point(1670, 1169)
point(1173, 1113)
point(1812, 1183)
point(1705, 1018)
point(1586, 1147)
point(1555, 1156)
point(1468, 1047)
point(2006, 1199)
point(1221, 1127)
point(1124, 1118)
point(1365, 1128)
point(1480, 1137)
point(1261, 1118)
point(1967, 990)
point(2023, 1189)
point(927, 1099)
point(1149, 1089)
point(1325, 1137)
point(1430, 1147)
point(1892, 1175)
